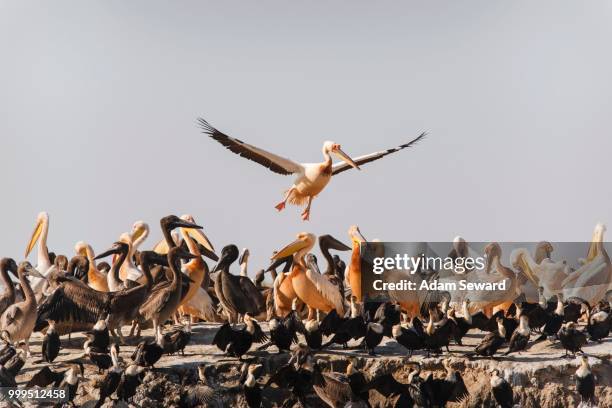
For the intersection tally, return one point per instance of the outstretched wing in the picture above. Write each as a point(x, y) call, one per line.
point(275, 163)
point(340, 167)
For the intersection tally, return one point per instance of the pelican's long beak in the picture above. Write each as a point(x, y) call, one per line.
point(137, 233)
point(527, 271)
point(34, 272)
point(161, 247)
point(345, 157)
point(290, 249)
point(333, 243)
point(187, 224)
point(598, 235)
point(356, 235)
point(35, 235)
point(201, 238)
point(106, 253)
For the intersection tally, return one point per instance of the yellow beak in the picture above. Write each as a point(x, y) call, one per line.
point(346, 158)
point(200, 237)
point(527, 271)
point(290, 249)
point(35, 235)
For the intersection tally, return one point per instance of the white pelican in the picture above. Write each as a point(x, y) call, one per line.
point(95, 279)
point(309, 286)
point(198, 271)
point(311, 178)
point(592, 280)
point(43, 263)
point(352, 274)
point(140, 232)
point(547, 274)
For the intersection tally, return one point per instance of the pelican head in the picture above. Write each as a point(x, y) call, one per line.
point(355, 235)
point(171, 222)
point(229, 254)
point(517, 258)
point(27, 269)
point(117, 248)
point(595, 247)
point(80, 248)
point(304, 243)
point(311, 262)
point(335, 148)
point(460, 246)
point(42, 220)
point(244, 257)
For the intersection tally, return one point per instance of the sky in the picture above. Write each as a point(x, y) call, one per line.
point(99, 104)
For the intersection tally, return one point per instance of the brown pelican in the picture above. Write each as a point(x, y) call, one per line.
point(18, 320)
point(237, 294)
point(8, 296)
point(121, 249)
point(308, 285)
point(311, 178)
point(96, 279)
point(165, 299)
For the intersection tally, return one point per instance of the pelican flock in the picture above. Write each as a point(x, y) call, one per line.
point(303, 311)
point(275, 339)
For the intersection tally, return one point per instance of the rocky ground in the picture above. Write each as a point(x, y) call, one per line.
point(541, 377)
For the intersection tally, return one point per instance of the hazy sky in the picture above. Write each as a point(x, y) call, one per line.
point(99, 100)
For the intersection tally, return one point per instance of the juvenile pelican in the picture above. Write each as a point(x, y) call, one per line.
point(310, 286)
point(8, 297)
point(311, 178)
point(18, 320)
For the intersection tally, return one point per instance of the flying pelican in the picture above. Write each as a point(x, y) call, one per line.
point(310, 286)
point(311, 178)
point(18, 320)
point(95, 278)
point(43, 261)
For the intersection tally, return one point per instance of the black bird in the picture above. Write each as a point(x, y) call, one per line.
point(520, 337)
point(460, 328)
point(249, 385)
point(438, 334)
point(111, 380)
point(283, 332)
point(412, 337)
point(236, 342)
point(99, 335)
point(585, 381)
point(72, 376)
point(501, 389)
point(571, 338)
point(101, 358)
point(50, 343)
point(536, 312)
point(148, 353)
point(130, 380)
point(554, 321)
point(573, 308)
point(46, 377)
point(358, 382)
point(598, 325)
point(492, 341)
point(200, 394)
point(444, 390)
point(176, 340)
point(373, 337)
point(7, 352)
point(312, 334)
point(11, 368)
point(344, 329)
point(388, 314)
